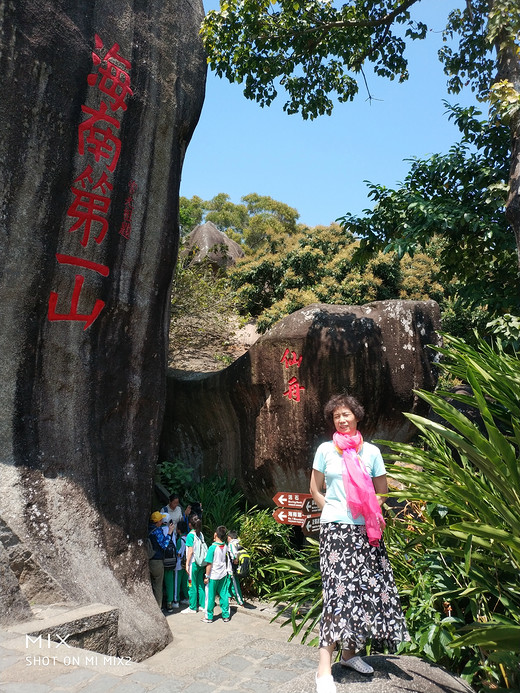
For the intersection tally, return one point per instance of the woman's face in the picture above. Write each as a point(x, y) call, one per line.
point(344, 420)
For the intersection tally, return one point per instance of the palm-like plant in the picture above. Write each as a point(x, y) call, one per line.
point(300, 592)
point(472, 472)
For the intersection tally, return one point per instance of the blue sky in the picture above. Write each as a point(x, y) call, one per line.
point(319, 166)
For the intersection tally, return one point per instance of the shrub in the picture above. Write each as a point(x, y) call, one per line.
point(265, 539)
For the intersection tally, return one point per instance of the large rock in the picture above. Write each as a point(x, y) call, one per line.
point(206, 242)
point(261, 418)
point(99, 102)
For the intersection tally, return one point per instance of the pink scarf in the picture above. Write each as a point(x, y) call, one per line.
point(359, 489)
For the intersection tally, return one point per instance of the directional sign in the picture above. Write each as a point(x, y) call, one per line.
point(298, 501)
point(311, 525)
point(285, 516)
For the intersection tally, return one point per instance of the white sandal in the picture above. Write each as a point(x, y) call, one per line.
point(325, 684)
point(357, 664)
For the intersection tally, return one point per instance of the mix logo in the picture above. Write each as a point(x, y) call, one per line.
point(40, 640)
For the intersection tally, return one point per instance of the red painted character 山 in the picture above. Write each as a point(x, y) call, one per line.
point(73, 314)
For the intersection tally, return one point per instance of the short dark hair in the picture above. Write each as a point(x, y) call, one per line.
point(173, 496)
point(232, 534)
point(221, 532)
point(337, 401)
point(182, 526)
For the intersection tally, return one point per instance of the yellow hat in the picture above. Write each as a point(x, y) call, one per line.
point(157, 516)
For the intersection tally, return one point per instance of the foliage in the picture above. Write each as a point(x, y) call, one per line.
point(317, 266)
point(507, 326)
point(477, 28)
point(473, 474)
point(203, 314)
point(175, 476)
point(190, 213)
point(425, 579)
point(258, 223)
point(221, 501)
point(265, 539)
point(311, 48)
point(459, 199)
point(300, 592)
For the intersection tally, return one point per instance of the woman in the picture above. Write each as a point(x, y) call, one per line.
point(360, 601)
point(159, 541)
point(195, 572)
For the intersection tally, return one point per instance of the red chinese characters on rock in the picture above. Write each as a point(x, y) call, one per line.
point(90, 207)
point(126, 226)
point(290, 359)
point(99, 143)
point(114, 82)
point(294, 388)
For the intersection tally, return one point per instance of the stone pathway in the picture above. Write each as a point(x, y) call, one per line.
point(247, 655)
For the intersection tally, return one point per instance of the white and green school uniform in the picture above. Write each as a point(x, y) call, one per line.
point(218, 582)
point(196, 575)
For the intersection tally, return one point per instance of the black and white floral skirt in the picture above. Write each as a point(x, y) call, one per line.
point(360, 600)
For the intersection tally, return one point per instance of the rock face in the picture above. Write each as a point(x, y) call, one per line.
point(100, 101)
point(260, 420)
point(208, 243)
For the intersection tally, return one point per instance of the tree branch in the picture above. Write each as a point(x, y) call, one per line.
point(350, 23)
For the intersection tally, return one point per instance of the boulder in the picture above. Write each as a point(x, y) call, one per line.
point(102, 100)
point(206, 242)
point(261, 419)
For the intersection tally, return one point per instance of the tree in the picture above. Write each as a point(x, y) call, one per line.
point(203, 317)
point(316, 265)
point(190, 213)
point(259, 222)
point(316, 50)
point(458, 198)
point(226, 215)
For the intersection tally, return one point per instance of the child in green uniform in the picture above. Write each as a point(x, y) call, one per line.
point(216, 578)
point(195, 572)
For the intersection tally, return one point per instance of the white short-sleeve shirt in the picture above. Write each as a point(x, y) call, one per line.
point(329, 461)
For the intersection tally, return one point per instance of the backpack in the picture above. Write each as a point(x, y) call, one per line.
point(200, 550)
point(152, 546)
point(150, 549)
point(244, 562)
point(182, 552)
point(170, 556)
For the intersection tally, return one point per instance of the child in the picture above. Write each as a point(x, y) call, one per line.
point(234, 582)
point(216, 578)
point(181, 576)
point(194, 572)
